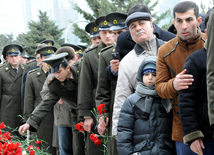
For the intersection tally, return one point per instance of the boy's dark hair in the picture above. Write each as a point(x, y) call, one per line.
point(207, 17)
point(139, 8)
point(67, 49)
point(185, 6)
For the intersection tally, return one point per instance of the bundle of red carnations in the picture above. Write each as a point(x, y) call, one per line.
point(95, 137)
point(11, 146)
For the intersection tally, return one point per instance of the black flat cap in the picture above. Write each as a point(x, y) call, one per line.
point(117, 20)
point(136, 16)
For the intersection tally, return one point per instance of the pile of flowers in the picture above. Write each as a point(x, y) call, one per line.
point(12, 145)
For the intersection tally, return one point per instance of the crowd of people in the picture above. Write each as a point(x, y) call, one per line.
point(156, 86)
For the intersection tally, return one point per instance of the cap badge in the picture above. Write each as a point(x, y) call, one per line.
point(49, 51)
point(50, 66)
point(49, 44)
point(95, 29)
point(105, 22)
point(13, 50)
point(115, 21)
point(80, 51)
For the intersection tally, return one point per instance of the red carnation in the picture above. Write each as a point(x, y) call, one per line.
point(38, 142)
point(97, 142)
point(2, 126)
point(32, 152)
point(30, 147)
point(93, 137)
point(101, 109)
point(79, 126)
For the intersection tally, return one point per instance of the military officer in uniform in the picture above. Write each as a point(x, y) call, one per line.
point(93, 30)
point(106, 88)
point(88, 83)
point(34, 83)
point(62, 85)
point(10, 86)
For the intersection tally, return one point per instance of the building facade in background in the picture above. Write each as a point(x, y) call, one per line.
point(16, 15)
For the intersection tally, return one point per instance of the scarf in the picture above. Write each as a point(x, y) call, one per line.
point(149, 93)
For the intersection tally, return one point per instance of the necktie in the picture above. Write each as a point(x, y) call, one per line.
point(46, 74)
point(15, 70)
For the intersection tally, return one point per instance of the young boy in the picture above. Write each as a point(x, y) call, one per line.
point(145, 125)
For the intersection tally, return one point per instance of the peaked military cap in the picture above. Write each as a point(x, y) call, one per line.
point(47, 51)
point(83, 49)
point(93, 29)
point(48, 42)
point(117, 20)
point(137, 16)
point(23, 54)
point(40, 45)
point(12, 49)
point(56, 61)
point(102, 23)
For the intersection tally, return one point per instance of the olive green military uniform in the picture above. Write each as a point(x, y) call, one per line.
point(66, 90)
point(10, 95)
point(66, 117)
point(210, 69)
point(105, 92)
point(87, 90)
point(34, 83)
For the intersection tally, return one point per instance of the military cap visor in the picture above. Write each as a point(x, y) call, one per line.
point(24, 55)
point(12, 49)
point(137, 16)
point(95, 34)
point(55, 62)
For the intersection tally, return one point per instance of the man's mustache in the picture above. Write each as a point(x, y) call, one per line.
point(142, 31)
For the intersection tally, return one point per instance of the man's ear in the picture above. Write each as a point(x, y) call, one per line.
point(199, 21)
point(68, 67)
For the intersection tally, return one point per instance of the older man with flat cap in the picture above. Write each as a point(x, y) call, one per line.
point(147, 44)
point(10, 86)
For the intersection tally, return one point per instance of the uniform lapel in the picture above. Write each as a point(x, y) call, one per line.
point(20, 71)
point(11, 71)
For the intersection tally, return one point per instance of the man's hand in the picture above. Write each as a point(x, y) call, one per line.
point(196, 146)
point(60, 101)
point(24, 128)
point(88, 123)
point(103, 123)
point(182, 80)
point(114, 65)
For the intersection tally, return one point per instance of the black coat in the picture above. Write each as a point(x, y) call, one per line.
point(193, 101)
point(147, 136)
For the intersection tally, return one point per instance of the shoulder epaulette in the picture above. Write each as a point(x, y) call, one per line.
point(91, 48)
point(33, 70)
point(31, 61)
point(51, 80)
point(106, 48)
